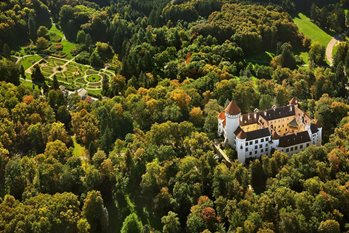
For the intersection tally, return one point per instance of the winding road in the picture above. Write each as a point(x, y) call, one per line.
point(329, 49)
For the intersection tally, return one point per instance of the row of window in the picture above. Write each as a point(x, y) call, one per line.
point(256, 146)
point(295, 148)
point(256, 141)
point(262, 151)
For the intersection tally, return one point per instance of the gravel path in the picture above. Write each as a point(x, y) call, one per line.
point(329, 50)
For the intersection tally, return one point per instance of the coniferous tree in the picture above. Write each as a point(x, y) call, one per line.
point(55, 84)
point(6, 52)
point(37, 76)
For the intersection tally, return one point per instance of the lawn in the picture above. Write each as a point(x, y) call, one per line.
point(27, 62)
point(68, 47)
point(262, 58)
point(311, 30)
point(94, 78)
point(55, 34)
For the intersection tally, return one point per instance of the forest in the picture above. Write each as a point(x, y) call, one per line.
point(137, 155)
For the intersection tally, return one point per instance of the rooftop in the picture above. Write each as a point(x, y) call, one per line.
point(232, 108)
point(278, 112)
point(294, 139)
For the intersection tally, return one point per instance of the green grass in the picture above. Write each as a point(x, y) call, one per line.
point(68, 47)
point(55, 34)
point(94, 78)
point(94, 93)
point(29, 61)
point(58, 36)
point(78, 149)
point(311, 30)
point(335, 49)
point(262, 58)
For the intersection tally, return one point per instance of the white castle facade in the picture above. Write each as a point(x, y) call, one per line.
point(285, 128)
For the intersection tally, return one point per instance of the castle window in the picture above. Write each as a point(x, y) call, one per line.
point(287, 150)
point(256, 141)
point(256, 147)
point(291, 148)
point(296, 148)
point(262, 140)
point(246, 143)
point(262, 150)
point(251, 153)
point(301, 146)
point(255, 152)
point(250, 142)
point(246, 149)
point(241, 147)
point(260, 146)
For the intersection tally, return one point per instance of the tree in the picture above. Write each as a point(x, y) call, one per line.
point(55, 84)
point(32, 27)
point(22, 72)
point(42, 31)
point(63, 115)
point(6, 52)
point(96, 60)
point(42, 43)
point(15, 180)
point(58, 132)
point(132, 224)
point(9, 71)
point(286, 58)
point(83, 226)
point(317, 54)
point(95, 212)
point(37, 76)
point(81, 37)
point(85, 126)
point(329, 226)
point(171, 223)
point(88, 40)
point(58, 150)
point(265, 102)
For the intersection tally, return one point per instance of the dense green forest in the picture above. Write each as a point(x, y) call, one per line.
point(140, 156)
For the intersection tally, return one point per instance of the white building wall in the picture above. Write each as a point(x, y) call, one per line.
point(232, 123)
point(240, 150)
point(252, 148)
point(294, 149)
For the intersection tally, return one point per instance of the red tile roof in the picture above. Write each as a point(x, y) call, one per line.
point(232, 108)
point(221, 116)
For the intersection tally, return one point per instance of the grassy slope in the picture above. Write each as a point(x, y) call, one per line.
point(311, 30)
point(57, 35)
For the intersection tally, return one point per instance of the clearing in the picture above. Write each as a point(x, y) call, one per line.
point(311, 30)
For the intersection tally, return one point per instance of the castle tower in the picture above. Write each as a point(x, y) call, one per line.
point(232, 115)
point(240, 146)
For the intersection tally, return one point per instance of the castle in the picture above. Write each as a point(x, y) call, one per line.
point(285, 128)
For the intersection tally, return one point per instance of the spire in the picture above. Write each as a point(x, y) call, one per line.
point(232, 108)
point(293, 101)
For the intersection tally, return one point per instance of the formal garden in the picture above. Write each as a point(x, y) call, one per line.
point(69, 73)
